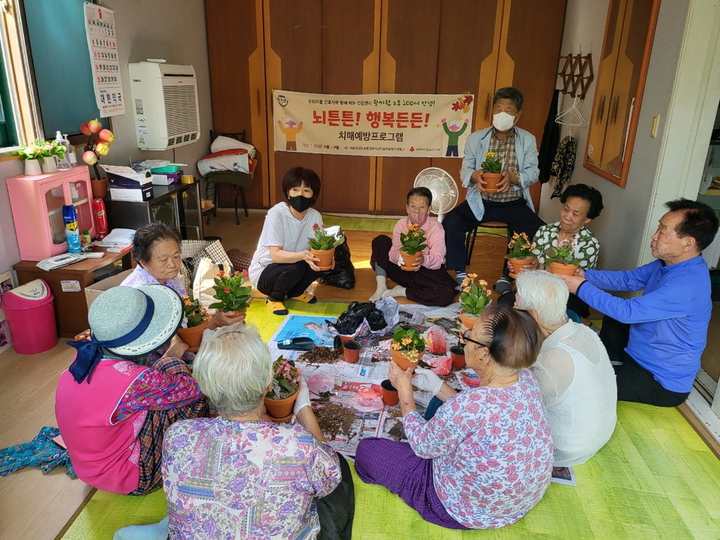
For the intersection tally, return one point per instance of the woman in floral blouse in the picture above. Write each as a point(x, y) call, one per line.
point(485, 458)
point(580, 205)
point(240, 476)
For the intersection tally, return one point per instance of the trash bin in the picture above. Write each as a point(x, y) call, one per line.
point(30, 315)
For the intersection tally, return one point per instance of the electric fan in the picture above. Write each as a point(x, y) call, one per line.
point(443, 188)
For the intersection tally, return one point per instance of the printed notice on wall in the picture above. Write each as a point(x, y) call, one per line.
point(428, 125)
point(102, 43)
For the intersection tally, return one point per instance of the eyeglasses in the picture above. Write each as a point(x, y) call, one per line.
point(466, 337)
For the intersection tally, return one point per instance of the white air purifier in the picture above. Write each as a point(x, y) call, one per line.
point(165, 105)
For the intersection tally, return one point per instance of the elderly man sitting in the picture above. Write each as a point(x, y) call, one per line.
point(576, 377)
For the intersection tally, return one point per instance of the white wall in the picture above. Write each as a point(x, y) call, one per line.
point(170, 29)
point(621, 226)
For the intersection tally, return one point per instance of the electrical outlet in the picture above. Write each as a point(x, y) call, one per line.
point(654, 128)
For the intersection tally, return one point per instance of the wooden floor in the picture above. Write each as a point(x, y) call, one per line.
point(36, 506)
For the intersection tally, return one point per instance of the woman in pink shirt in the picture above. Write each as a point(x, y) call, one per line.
point(428, 282)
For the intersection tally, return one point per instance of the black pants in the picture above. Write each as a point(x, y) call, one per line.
point(634, 382)
point(280, 281)
point(517, 214)
point(428, 287)
point(337, 509)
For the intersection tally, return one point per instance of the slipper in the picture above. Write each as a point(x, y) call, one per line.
point(277, 308)
point(305, 297)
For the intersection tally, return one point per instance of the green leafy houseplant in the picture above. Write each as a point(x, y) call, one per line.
point(474, 296)
point(564, 253)
point(286, 379)
point(410, 341)
point(413, 240)
point(39, 149)
point(195, 313)
point(491, 165)
point(325, 238)
point(230, 291)
point(521, 247)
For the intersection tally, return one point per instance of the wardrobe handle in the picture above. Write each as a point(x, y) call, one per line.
point(615, 109)
point(488, 108)
point(601, 110)
point(258, 101)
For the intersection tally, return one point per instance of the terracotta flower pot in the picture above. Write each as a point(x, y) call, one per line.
point(492, 179)
point(519, 264)
point(409, 260)
point(468, 321)
point(564, 269)
point(401, 360)
point(99, 188)
point(457, 355)
point(351, 351)
point(236, 315)
point(192, 336)
point(389, 393)
point(280, 410)
point(326, 257)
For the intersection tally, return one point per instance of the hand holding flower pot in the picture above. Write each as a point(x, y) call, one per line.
point(407, 346)
point(521, 254)
point(196, 318)
point(280, 399)
point(322, 245)
point(474, 298)
point(561, 259)
point(492, 172)
point(231, 293)
point(413, 243)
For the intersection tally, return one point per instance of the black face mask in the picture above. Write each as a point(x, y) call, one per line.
point(300, 203)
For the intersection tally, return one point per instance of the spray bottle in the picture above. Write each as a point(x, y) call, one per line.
point(71, 155)
point(63, 164)
point(100, 217)
point(72, 232)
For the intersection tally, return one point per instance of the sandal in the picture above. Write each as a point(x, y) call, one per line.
point(306, 297)
point(277, 308)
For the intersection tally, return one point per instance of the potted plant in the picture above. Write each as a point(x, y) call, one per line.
point(322, 244)
point(562, 258)
point(407, 346)
point(474, 298)
point(492, 172)
point(413, 242)
point(521, 254)
point(231, 292)
point(98, 144)
point(196, 317)
point(30, 153)
point(281, 397)
point(49, 150)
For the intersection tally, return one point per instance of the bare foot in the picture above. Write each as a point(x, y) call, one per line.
point(379, 293)
point(396, 291)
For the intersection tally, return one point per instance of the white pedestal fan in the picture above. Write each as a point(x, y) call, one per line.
point(443, 188)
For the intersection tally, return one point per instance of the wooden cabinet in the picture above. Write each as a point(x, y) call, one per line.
point(619, 88)
point(371, 46)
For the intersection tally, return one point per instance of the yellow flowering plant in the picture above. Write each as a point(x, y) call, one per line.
point(521, 247)
point(410, 341)
point(413, 240)
point(195, 313)
point(474, 296)
point(491, 165)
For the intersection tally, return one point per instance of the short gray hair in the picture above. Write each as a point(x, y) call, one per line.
point(234, 369)
point(545, 294)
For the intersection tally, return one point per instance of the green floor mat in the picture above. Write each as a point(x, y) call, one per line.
point(655, 479)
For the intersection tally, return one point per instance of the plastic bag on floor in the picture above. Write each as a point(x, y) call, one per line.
point(343, 275)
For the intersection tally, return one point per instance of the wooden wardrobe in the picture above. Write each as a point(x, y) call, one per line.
point(373, 46)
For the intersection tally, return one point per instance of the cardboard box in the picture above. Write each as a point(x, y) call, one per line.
point(94, 290)
point(166, 179)
point(126, 177)
point(132, 195)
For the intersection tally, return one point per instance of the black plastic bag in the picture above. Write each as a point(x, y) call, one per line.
point(353, 317)
point(343, 275)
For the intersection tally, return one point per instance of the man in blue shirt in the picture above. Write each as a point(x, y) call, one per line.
point(656, 340)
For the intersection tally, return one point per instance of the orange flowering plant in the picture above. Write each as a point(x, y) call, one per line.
point(413, 240)
point(410, 341)
point(474, 296)
point(230, 291)
point(195, 313)
point(521, 247)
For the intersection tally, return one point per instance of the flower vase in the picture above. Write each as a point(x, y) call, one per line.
point(492, 179)
point(49, 165)
point(409, 260)
point(519, 264)
point(193, 336)
point(280, 410)
point(467, 320)
point(562, 269)
point(99, 188)
point(326, 256)
point(32, 167)
point(401, 360)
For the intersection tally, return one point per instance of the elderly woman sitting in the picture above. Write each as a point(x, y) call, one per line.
point(239, 476)
point(485, 459)
point(112, 410)
point(576, 378)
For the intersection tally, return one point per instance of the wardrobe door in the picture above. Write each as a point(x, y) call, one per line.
point(237, 84)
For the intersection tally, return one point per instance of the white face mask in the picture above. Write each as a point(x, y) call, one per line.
point(503, 121)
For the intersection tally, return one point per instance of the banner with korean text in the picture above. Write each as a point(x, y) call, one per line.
point(427, 125)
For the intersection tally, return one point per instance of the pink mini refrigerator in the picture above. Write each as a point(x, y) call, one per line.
point(37, 202)
point(31, 317)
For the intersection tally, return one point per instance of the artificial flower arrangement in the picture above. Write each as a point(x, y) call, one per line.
point(475, 297)
point(564, 253)
point(98, 143)
point(491, 165)
point(39, 149)
point(325, 238)
point(231, 292)
point(195, 313)
point(286, 379)
point(407, 346)
point(413, 240)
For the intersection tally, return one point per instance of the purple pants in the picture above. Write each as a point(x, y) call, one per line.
point(394, 465)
